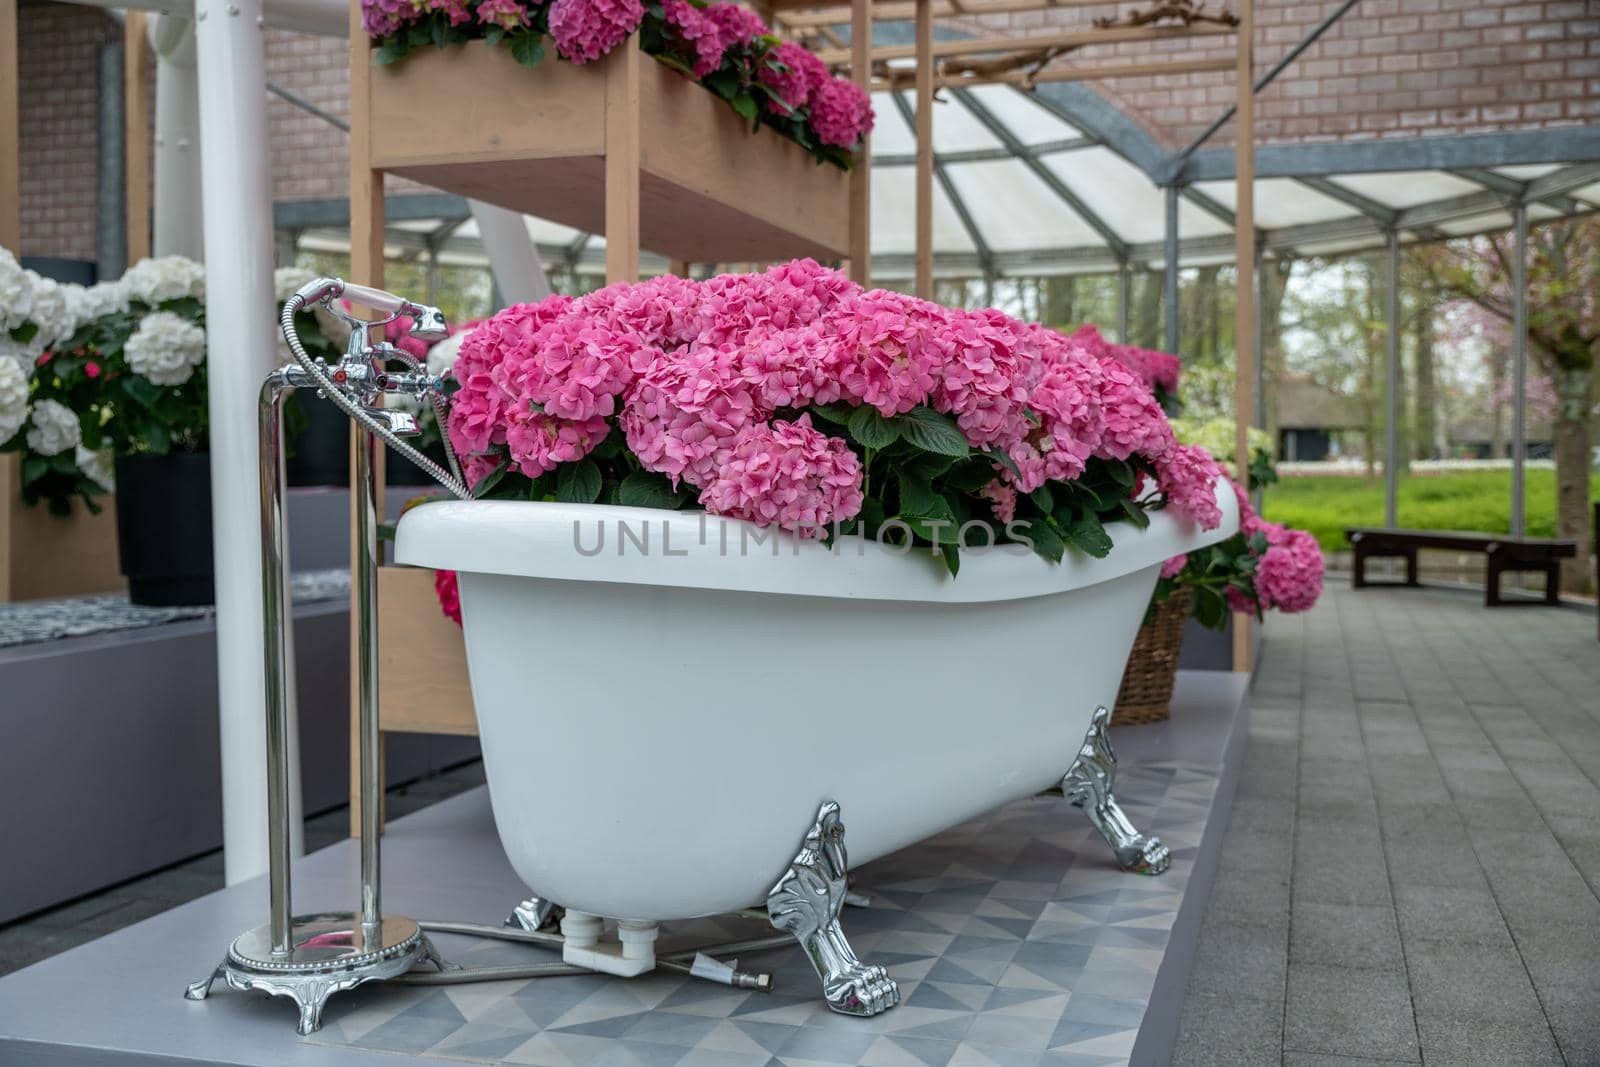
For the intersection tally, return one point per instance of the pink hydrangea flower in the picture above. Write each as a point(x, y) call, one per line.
point(841, 114)
point(1174, 566)
point(574, 367)
point(478, 411)
point(988, 365)
point(733, 306)
point(686, 410)
point(1289, 574)
point(507, 14)
point(1188, 476)
point(1134, 422)
point(802, 74)
point(791, 368)
point(1002, 500)
point(539, 443)
point(736, 24)
point(1070, 421)
point(787, 474)
point(892, 348)
point(699, 32)
point(381, 18)
point(585, 30)
point(448, 590)
point(663, 312)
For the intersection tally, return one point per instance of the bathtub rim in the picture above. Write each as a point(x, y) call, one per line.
point(538, 540)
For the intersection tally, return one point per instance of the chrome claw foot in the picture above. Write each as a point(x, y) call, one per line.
point(806, 903)
point(533, 915)
point(199, 990)
point(1091, 785)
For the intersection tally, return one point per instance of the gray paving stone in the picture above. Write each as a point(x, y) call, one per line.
point(1455, 914)
point(1317, 1059)
point(1349, 1012)
point(1220, 1030)
point(1358, 937)
point(1247, 961)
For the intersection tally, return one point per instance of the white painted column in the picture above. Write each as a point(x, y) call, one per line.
point(178, 228)
point(514, 258)
point(240, 339)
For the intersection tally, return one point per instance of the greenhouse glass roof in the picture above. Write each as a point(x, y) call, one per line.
point(1056, 181)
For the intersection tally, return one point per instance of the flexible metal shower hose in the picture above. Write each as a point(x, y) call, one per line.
point(450, 479)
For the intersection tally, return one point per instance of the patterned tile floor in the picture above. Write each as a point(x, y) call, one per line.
point(1013, 937)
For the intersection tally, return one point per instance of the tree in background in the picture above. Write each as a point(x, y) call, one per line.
point(1563, 324)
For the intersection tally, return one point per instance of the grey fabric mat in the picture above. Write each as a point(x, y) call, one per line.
point(32, 621)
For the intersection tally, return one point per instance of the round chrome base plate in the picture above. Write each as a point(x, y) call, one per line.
point(328, 954)
point(326, 944)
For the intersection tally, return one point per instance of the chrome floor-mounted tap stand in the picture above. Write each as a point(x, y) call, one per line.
point(308, 958)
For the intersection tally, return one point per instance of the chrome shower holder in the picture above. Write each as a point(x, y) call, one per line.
point(308, 958)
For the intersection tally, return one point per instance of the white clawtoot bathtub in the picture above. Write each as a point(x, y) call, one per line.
point(668, 702)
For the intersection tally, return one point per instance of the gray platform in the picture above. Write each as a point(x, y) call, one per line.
point(1014, 939)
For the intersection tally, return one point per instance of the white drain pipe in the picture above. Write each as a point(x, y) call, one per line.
point(240, 332)
point(177, 192)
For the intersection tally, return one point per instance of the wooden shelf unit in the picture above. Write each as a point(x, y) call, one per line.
point(623, 147)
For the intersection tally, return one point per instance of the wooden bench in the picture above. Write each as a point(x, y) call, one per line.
point(1504, 552)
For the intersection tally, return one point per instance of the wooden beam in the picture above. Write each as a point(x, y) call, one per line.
point(924, 241)
point(1033, 42)
point(136, 135)
point(861, 173)
point(1098, 72)
point(1244, 313)
point(622, 165)
point(366, 268)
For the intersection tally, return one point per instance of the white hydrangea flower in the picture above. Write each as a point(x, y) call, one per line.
point(98, 467)
point(12, 352)
point(442, 356)
point(286, 281)
point(54, 428)
point(166, 348)
point(101, 299)
point(16, 292)
point(13, 398)
point(155, 281)
point(52, 311)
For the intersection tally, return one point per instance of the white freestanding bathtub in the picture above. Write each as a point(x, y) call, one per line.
point(669, 703)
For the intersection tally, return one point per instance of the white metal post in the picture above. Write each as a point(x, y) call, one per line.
point(1519, 372)
point(513, 257)
point(1169, 277)
point(177, 198)
point(240, 342)
point(1391, 417)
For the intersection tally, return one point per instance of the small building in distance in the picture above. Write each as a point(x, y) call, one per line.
point(1311, 419)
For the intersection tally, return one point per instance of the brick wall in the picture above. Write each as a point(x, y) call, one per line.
point(1388, 68)
point(59, 74)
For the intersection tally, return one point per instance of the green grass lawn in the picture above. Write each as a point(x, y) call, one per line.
point(1325, 504)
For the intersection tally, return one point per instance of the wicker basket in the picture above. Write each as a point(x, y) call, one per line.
point(1146, 693)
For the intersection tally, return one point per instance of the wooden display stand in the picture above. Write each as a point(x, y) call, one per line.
point(623, 147)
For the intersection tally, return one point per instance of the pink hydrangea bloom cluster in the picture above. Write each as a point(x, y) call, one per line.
point(1288, 572)
point(695, 373)
point(585, 30)
point(1151, 367)
point(712, 30)
point(841, 114)
point(507, 14)
point(793, 73)
point(786, 474)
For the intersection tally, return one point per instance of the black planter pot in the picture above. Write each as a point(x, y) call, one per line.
point(164, 528)
point(320, 453)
